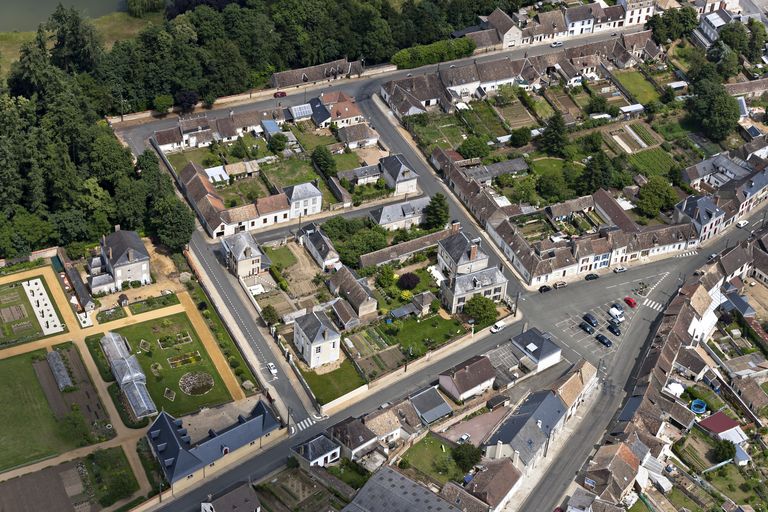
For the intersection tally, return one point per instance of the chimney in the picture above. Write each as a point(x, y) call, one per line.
point(110, 253)
point(130, 254)
point(473, 252)
point(515, 457)
point(455, 226)
point(538, 424)
point(117, 228)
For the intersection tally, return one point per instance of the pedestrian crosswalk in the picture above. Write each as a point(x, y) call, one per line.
point(686, 254)
point(305, 424)
point(656, 306)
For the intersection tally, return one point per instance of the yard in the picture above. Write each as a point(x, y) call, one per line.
point(243, 191)
point(547, 165)
point(293, 171)
point(517, 116)
point(432, 457)
point(18, 323)
point(110, 476)
point(207, 158)
point(671, 129)
point(25, 407)
point(310, 138)
point(109, 315)
point(281, 256)
point(483, 121)
point(696, 451)
point(440, 130)
point(729, 480)
point(346, 161)
point(418, 336)
point(638, 86)
point(153, 303)
point(681, 54)
point(172, 357)
point(350, 473)
point(330, 386)
point(680, 500)
point(391, 297)
point(542, 108)
point(653, 162)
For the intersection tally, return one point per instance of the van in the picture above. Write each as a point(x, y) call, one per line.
point(616, 314)
point(498, 326)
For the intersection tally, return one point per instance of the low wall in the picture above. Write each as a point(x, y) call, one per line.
point(345, 400)
point(50, 252)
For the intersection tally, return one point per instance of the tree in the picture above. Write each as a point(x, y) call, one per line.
point(269, 314)
point(76, 46)
point(597, 105)
point(466, 456)
point(186, 100)
point(655, 196)
point(385, 276)
point(436, 213)
point(553, 187)
point(554, 138)
point(172, 223)
point(757, 39)
point(523, 190)
point(481, 309)
point(713, 109)
point(162, 103)
point(408, 281)
point(474, 147)
point(520, 137)
point(668, 95)
point(277, 143)
point(597, 174)
point(735, 35)
point(323, 160)
point(724, 450)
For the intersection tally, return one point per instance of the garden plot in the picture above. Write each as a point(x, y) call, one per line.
point(372, 353)
point(564, 103)
point(610, 92)
point(294, 490)
point(645, 133)
point(483, 121)
point(18, 322)
point(634, 81)
point(243, 191)
point(534, 228)
point(517, 116)
point(653, 162)
point(582, 99)
point(185, 359)
point(441, 130)
point(627, 140)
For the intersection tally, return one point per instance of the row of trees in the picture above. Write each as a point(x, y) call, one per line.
point(673, 24)
point(439, 51)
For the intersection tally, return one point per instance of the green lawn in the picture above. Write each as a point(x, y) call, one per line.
point(730, 483)
point(153, 303)
point(346, 161)
point(639, 506)
point(169, 377)
point(412, 333)
point(243, 191)
point(30, 431)
point(638, 86)
point(22, 325)
point(110, 315)
point(293, 171)
point(670, 129)
point(653, 162)
point(547, 165)
point(433, 458)
point(680, 500)
point(441, 130)
point(199, 155)
point(332, 385)
point(350, 473)
point(426, 283)
point(542, 108)
point(309, 138)
point(281, 256)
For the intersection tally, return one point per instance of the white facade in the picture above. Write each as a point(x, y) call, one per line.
point(447, 384)
point(317, 352)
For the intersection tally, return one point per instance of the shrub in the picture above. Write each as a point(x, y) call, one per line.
point(135, 284)
point(233, 363)
point(408, 281)
point(406, 295)
point(439, 51)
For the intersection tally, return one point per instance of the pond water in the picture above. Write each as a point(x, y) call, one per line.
point(24, 15)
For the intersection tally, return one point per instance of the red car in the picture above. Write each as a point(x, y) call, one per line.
point(280, 94)
point(630, 302)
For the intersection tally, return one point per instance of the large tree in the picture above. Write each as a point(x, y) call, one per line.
point(436, 213)
point(655, 196)
point(554, 138)
point(757, 40)
point(482, 310)
point(713, 109)
point(474, 147)
point(735, 35)
point(323, 160)
point(172, 223)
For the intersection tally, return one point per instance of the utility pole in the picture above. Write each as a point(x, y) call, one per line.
point(517, 300)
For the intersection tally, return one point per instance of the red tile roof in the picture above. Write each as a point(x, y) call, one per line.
point(718, 423)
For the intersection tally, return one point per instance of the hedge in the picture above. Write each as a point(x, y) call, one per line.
point(439, 51)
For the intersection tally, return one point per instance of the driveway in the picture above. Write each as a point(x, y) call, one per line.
point(479, 427)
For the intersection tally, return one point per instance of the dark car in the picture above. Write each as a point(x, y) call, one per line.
point(614, 329)
point(591, 277)
point(544, 289)
point(280, 94)
point(602, 338)
point(590, 319)
point(586, 327)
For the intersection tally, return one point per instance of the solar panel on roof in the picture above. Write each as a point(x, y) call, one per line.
point(300, 111)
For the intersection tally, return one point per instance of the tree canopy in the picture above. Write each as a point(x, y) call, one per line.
point(713, 109)
point(554, 138)
point(474, 147)
point(436, 213)
point(481, 309)
point(655, 196)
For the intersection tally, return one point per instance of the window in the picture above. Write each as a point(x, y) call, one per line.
point(264, 220)
point(317, 350)
point(461, 300)
point(497, 289)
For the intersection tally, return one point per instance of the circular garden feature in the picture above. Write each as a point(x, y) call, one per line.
point(196, 383)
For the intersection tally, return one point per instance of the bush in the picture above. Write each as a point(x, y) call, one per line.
point(439, 51)
point(466, 456)
point(408, 281)
point(406, 295)
point(403, 464)
point(233, 362)
point(724, 450)
point(135, 284)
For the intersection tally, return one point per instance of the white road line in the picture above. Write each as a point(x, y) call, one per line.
point(308, 422)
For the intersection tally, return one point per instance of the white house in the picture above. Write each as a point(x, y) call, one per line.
point(122, 258)
point(400, 215)
point(356, 439)
point(357, 136)
point(169, 140)
point(319, 451)
point(305, 199)
point(316, 340)
point(539, 347)
point(398, 175)
point(637, 12)
point(470, 378)
point(580, 19)
point(319, 246)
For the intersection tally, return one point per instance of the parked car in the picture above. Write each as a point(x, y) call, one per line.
point(591, 277)
point(544, 289)
point(602, 338)
point(619, 270)
point(614, 329)
point(280, 94)
point(586, 327)
point(498, 326)
point(272, 369)
point(615, 313)
point(712, 257)
point(559, 284)
point(742, 223)
point(629, 301)
point(618, 306)
point(556, 44)
point(464, 438)
point(590, 319)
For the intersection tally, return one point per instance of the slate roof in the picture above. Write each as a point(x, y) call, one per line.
point(471, 373)
point(579, 13)
point(360, 173)
point(392, 213)
point(124, 243)
point(488, 172)
point(397, 168)
point(302, 191)
point(458, 248)
point(317, 327)
point(700, 209)
point(356, 132)
point(465, 283)
point(315, 237)
point(536, 344)
point(452, 76)
point(390, 491)
point(346, 315)
point(179, 458)
point(240, 243)
point(430, 405)
point(320, 113)
point(521, 429)
point(346, 284)
point(315, 448)
point(493, 483)
point(615, 213)
point(403, 248)
point(352, 433)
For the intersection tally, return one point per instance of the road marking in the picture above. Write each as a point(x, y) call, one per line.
point(305, 424)
point(656, 306)
point(686, 254)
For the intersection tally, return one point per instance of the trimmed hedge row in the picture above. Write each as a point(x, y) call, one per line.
point(439, 51)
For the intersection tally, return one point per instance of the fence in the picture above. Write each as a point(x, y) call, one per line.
point(618, 85)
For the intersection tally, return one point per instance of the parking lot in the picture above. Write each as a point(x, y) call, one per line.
point(577, 339)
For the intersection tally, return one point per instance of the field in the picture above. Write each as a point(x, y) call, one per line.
point(638, 86)
point(652, 162)
point(157, 367)
point(293, 171)
point(243, 191)
point(517, 116)
point(483, 120)
point(17, 318)
point(346, 161)
point(25, 407)
point(427, 456)
point(441, 130)
point(332, 385)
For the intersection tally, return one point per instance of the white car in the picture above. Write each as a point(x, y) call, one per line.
point(742, 223)
point(556, 44)
point(272, 369)
point(464, 438)
point(619, 270)
point(616, 314)
point(498, 326)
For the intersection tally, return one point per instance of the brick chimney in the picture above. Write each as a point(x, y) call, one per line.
point(455, 227)
point(473, 252)
point(130, 254)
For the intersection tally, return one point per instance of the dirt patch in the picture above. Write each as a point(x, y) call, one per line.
point(277, 300)
point(43, 490)
point(478, 427)
point(301, 273)
point(371, 155)
point(758, 296)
